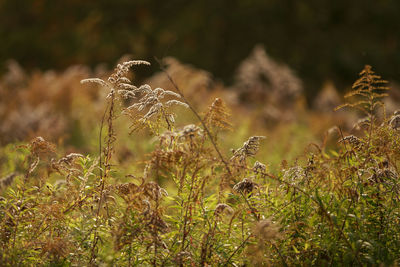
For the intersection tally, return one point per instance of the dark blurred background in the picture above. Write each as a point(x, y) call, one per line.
point(319, 39)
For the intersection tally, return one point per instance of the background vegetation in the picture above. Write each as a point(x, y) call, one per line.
point(168, 165)
point(213, 35)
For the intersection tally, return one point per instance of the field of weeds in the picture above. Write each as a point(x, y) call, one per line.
point(99, 169)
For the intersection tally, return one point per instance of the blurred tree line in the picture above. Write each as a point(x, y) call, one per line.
point(319, 39)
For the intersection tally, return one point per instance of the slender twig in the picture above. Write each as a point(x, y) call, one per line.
point(100, 139)
point(107, 158)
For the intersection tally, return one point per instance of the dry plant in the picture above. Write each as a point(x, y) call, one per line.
point(369, 91)
point(44, 104)
point(249, 149)
point(218, 115)
point(259, 78)
point(186, 205)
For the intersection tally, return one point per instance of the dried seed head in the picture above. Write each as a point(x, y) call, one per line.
point(163, 192)
point(147, 205)
point(190, 131)
point(183, 257)
point(268, 80)
point(152, 99)
point(122, 69)
point(65, 164)
point(95, 80)
point(40, 146)
point(154, 191)
point(127, 188)
point(395, 122)
point(351, 139)
point(259, 167)
point(385, 175)
point(68, 159)
point(167, 138)
point(249, 148)
point(363, 122)
point(117, 81)
point(368, 90)
point(294, 174)
point(222, 207)
point(245, 186)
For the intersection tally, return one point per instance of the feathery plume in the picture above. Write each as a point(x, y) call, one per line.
point(118, 81)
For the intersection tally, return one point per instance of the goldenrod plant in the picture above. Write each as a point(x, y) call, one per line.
point(189, 201)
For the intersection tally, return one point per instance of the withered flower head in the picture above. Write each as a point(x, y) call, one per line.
point(382, 175)
point(183, 257)
point(65, 162)
point(294, 174)
point(351, 139)
point(153, 190)
point(245, 186)
point(39, 146)
point(118, 80)
point(259, 167)
point(222, 207)
point(191, 130)
point(249, 148)
point(395, 122)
